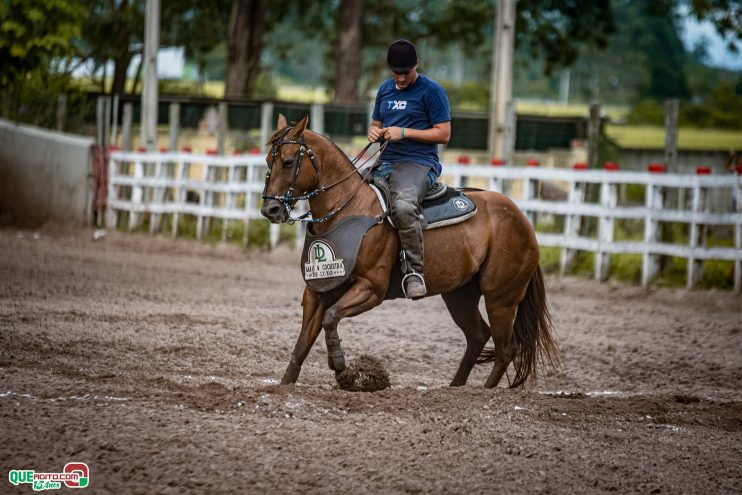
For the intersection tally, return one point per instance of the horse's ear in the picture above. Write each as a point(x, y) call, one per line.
point(299, 128)
point(281, 122)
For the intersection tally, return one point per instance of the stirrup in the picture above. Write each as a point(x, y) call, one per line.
point(412, 274)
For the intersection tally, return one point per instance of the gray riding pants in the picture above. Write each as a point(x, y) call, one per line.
point(408, 183)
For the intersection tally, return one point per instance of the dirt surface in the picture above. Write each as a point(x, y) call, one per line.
point(156, 362)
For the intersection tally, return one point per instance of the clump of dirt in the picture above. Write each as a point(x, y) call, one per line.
point(366, 374)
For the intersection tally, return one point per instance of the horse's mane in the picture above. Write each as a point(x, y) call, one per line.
point(280, 132)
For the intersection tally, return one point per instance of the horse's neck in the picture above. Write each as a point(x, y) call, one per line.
point(352, 194)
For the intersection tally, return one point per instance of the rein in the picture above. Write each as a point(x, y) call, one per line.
point(289, 200)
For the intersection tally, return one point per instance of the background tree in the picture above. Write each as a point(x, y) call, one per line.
point(244, 46)
point(36, 45)
point(349, 51)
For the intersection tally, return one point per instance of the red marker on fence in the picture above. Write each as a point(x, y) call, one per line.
point(164, 149)
point(464, 160)
point(141, 149)
point(254, 151)
point(114, 148)
point(656, 168)
point(532, 163)
point(611, 167)
point(703, 170)
point(739, 169)
point(187, 149)
point(580, 166)
point(236, 153)
point(497, 162)
point(211, 152)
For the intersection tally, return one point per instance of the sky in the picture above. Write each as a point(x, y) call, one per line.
point(719, 56)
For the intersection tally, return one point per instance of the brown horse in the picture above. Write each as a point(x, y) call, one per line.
point(493, 254)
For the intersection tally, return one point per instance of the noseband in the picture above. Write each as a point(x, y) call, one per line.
point(288, 199)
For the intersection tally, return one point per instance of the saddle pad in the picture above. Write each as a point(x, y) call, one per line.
point(448, 208)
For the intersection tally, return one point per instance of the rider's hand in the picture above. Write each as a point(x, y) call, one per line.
point(375, 133)
point(393, 133)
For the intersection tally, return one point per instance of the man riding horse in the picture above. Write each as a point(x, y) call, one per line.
point(412, 113)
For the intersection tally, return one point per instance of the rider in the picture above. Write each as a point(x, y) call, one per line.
point(413, 114)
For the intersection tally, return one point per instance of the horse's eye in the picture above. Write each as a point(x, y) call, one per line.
point(288, 162)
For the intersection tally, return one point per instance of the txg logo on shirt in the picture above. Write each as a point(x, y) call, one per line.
point(396, 105)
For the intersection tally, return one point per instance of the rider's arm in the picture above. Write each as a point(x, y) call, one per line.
point(438, 134)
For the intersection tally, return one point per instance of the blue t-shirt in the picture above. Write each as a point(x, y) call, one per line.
point(420, 106)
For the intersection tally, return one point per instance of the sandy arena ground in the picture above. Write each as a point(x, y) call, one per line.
point(156, 362)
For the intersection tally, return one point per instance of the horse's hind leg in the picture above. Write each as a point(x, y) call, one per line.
point(501, 325)
point(463, 304)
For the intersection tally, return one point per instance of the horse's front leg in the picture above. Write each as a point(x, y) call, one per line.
point(311, 325)
point(361, 297)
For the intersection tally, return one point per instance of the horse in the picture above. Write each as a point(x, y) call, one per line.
point(493, 254)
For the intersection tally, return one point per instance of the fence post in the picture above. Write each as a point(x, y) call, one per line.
point(266, 125)
point(593, 136)
point(608, 202)
point(205, 176)
point(158, 195)
point(317, 118)
point(112, 215)
point(180, 192)
point(530, 192)
point(697, 232)
point(222, 127)
point(103, 119)
point(137, 192)
point(572, 222)
point(126, 123)
point(275, 230)
point(114, 120)
point(654, 200)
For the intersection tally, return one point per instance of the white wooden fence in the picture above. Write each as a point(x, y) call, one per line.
point(227, 188)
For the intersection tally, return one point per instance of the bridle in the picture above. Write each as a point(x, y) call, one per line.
point(289, 200)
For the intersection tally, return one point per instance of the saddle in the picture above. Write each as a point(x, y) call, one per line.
point(442, 205)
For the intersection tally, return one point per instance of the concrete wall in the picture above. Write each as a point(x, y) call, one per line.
point(45, 176)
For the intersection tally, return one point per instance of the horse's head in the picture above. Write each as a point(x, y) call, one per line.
point(292, 170)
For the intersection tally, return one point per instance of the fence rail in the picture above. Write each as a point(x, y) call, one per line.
point(228, 188)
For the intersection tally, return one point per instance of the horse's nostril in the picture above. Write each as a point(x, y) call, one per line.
point(274, 210)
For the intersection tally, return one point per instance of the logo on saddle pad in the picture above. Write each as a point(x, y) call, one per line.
point(321, 262)
point(461, 204)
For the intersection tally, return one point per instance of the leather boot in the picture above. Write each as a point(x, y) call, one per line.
point(414, 286)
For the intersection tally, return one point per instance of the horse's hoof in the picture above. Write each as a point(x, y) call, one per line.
point(336, 364)
point(290, 376)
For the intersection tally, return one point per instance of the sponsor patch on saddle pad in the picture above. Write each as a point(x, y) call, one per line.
point(328, 259)
point(321, 262)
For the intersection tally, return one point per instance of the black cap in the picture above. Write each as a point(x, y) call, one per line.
point(402, 56)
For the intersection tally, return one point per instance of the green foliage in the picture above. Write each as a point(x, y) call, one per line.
point(549, 259)
point(721, 109)
point(32, 34)
point(467, 96)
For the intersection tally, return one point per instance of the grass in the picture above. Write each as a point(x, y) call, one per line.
point(556, 109)
point(653, 137)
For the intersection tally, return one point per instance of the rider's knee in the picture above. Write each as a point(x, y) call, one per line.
point(403, 212)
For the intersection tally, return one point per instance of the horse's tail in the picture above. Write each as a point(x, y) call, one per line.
point(533, 332)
